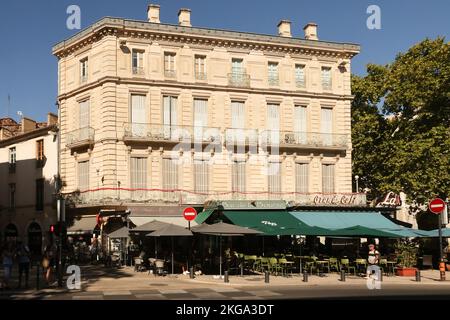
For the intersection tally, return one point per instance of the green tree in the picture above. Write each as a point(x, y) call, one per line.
point(401, 124)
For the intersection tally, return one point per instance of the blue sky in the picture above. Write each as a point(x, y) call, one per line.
point(28, 30)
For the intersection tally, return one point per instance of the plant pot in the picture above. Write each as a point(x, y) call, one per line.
point(406, 272)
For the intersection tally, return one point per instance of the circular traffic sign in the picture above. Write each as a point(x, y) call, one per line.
point(436, 206)
point(189, 214)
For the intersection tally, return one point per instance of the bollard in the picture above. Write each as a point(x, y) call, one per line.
point(442, 270)
point(381, 276)
point(242, 269)
point(225, 277)
point(343, 275)
point(305, 276)
point(418, 277)
point(266, 277)
point(191, 272)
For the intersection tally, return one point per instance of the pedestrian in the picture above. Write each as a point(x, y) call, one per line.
point(373, 258)
point(23, 257)
point(7, 260)
point(48, 261)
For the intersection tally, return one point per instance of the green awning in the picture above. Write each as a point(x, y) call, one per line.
point(356, 223)
point(272, 222)
point(205, 214)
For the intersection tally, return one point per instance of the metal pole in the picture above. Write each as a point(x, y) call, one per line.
point(172, 255)
point(441, 254)
point(220, 261)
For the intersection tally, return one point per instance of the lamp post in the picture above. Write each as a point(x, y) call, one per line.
point(356, 181)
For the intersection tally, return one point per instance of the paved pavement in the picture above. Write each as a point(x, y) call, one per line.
point(99, 283)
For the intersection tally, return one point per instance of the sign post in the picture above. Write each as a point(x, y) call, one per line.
point(437, 206)
point(189, 214)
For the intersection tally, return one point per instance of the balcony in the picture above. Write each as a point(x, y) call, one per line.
point(83, 137)
point(236, 136)
point(138, 71)
point(12, 167)
point(239, 79)
point(200, 76)
point(83, 79)
point(274, 80)
point(40, 163)
point(290, 139)
point(146, 132)
point(300, 84)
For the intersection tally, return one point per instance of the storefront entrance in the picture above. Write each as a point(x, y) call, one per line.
point(35, 238)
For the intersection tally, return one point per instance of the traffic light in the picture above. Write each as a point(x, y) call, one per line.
point(52, 228)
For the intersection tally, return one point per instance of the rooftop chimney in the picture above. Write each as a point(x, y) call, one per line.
point(184, 17)
point(52, 119)
point(284, 28)
point(311, 31)
point(153, 13)
point(28, 125)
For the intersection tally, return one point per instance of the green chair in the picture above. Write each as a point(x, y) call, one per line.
point(361, 265)
point(265, 264)
point(310, 265)
point(345, 265)
point(275, 267)
point(334, 264)
point(285, 266)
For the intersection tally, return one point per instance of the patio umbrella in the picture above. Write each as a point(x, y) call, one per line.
point(120, 233)
point(171, 230)
point(223, 229)
point(150, 226)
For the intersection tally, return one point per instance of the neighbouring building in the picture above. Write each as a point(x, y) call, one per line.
point(28, 167)
point(158, 117)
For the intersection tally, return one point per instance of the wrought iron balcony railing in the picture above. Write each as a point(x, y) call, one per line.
point(170, 133)
point(200, 76)
point(234, 136)
point(80, 137)
point(307, 139)
point(273, 80)
point(138, 71)
point(239, 79)
point(170, 73)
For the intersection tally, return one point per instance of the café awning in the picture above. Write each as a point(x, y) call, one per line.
point(82, 225)
point(356, 223)
point(204, 215)
point(273, 222)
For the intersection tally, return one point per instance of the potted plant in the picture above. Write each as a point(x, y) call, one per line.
point(406, 252)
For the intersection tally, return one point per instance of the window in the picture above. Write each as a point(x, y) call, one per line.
point(138, 116)
point(200, 118)
point(40, 194)
point(327, 178)
point(238, 77)
point(300, 124)
point(137, 62)
point(326, 125)
point(274, 175)
point(201, 176)
point(238, 178)
point(12, 195)
point(300, 75)
point(237, 66)
point(170, 116)
point(170, 177)
point(84, 120)
point(273, 73)
point(326, 78)
point(40, 157)
point(200, 67)
point(12, 160)
point(83, 175)
point(138, 177)
point(301, 177)
point(169, 64)
point(273, 124)
point(237, 133)
point(84, 70)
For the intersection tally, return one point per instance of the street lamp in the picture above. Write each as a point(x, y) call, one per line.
point(356, 181)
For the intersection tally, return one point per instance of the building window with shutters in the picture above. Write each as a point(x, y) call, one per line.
point(274, 180)
point(201, 176)
point(238, 179)
point(200, 67)
point(170, 117)
point(138, 181)
point(328, 178)
point(300, 124)
point(200, 119)
point(12, 160)
point(40, 194)
point(139, 127)
point(83, 175)
point(84, 120)
point(84, 70)
point(273, 124)
point(326, 78)
point(40, 156)
point(170, 178)
point(300, 80)
point(273, 74)
point(301, 177)
point(137, 62)
point(326, 125)
point(169, 65)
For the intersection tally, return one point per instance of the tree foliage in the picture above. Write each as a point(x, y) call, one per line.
point(401, 124)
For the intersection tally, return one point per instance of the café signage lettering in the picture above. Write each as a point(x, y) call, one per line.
point(335, 199)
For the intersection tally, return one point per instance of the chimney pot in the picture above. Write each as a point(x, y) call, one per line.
point(284, 28)
point(311, 31)
point(153, 13)
point(184, 17)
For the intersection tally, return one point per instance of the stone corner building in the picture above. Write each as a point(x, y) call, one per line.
point(158, 117)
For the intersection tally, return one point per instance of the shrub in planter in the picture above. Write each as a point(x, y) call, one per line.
point(406, 251)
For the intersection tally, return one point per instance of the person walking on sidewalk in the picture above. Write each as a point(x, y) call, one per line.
point(23, 257)
point(373, 258)
point(7, 260)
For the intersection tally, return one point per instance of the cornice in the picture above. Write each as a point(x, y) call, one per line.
point(200, 36)
point(27, 135)
point(200, 86)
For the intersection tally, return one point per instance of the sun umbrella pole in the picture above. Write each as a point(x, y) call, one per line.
point(220, 250)
point(172, 255)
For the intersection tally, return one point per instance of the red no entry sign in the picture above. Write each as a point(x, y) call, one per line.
point(189, 214)
point(436, 206)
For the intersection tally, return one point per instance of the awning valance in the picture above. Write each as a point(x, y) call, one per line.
point(204, 215)
point(82, 225)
